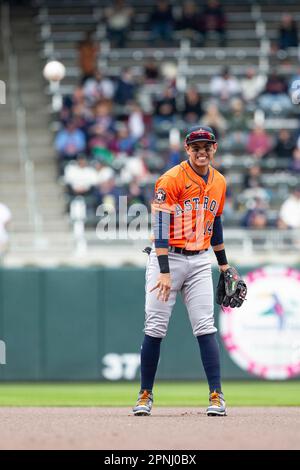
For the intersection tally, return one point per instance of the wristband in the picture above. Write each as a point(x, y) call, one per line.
point(221, 257)
point(163, 261)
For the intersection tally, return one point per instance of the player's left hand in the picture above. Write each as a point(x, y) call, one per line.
point(224, 268)
point(231, 289)
point(164, 287)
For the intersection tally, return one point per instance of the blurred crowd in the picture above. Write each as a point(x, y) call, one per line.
point(195, 21)
point(164, 21)
point(115, 131)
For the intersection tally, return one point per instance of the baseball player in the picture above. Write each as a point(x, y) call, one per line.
point(187, 208)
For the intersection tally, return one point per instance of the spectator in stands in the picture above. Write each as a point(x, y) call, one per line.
point(238, 127)
point(256, 216)
point(66, 111)
point(100, 151)
point(190, 21)
point(88, 51)
point(224, 87)
point(289, 213)
point(214, 119)
point(151, 72)
point(286, 64)
point(125, 87)
point(135, 194)
point(213, 19)
point(103, 171)
point(256, 219)
point(100, 137)
point(275, 99)
point(294, 86)
point(119, 18)
point(5, 218)
point(134, 169)
point(80, 111)
point(297, 136)
point(108, 193)
point(80, 177)
point(174, 156)
point(288, 33)
point(192, 109)
point(122, 142)
point(103, 119)
point(252, 85)
point(165, 107)
point(284, 146)
point(148, 143)
point(169, 74)
point(253, 177)
point(69, 142)
point(162, 21)
point(276, 85)
point(259, 142)
point(256, 193)
point(295, 162)
point(136, 125)
point(255, 190)
point(84, 117)
point(98, 88)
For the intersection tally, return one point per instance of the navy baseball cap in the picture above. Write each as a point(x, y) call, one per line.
point(200, 134)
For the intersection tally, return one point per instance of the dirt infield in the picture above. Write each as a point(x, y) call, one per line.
point(167, 428)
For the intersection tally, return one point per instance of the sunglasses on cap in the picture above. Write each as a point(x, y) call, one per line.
point(200, 135)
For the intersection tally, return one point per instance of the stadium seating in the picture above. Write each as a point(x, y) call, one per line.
point(252, 31)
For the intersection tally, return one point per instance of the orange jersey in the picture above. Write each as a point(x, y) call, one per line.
point(192, 203)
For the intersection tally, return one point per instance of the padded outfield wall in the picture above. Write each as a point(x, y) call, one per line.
point(86, 324)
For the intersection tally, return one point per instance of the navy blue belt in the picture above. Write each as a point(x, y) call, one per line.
point(183, 251)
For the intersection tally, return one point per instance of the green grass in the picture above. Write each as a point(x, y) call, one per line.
point(166, 394)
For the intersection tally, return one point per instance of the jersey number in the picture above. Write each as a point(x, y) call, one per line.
point(208, 228)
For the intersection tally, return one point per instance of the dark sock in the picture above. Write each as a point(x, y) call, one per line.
point(210, 356)
point(149, 360)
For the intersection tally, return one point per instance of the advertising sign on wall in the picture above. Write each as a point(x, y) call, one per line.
point(263, 336)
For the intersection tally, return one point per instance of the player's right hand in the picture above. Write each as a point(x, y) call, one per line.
point(164, 287)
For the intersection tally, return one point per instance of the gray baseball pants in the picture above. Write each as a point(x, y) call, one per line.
point(191, 275)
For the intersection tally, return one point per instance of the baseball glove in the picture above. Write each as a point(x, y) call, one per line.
point(231, 289)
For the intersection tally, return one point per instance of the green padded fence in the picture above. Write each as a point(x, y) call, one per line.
point(86, 324)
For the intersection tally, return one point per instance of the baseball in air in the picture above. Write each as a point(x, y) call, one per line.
point(54, 71)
